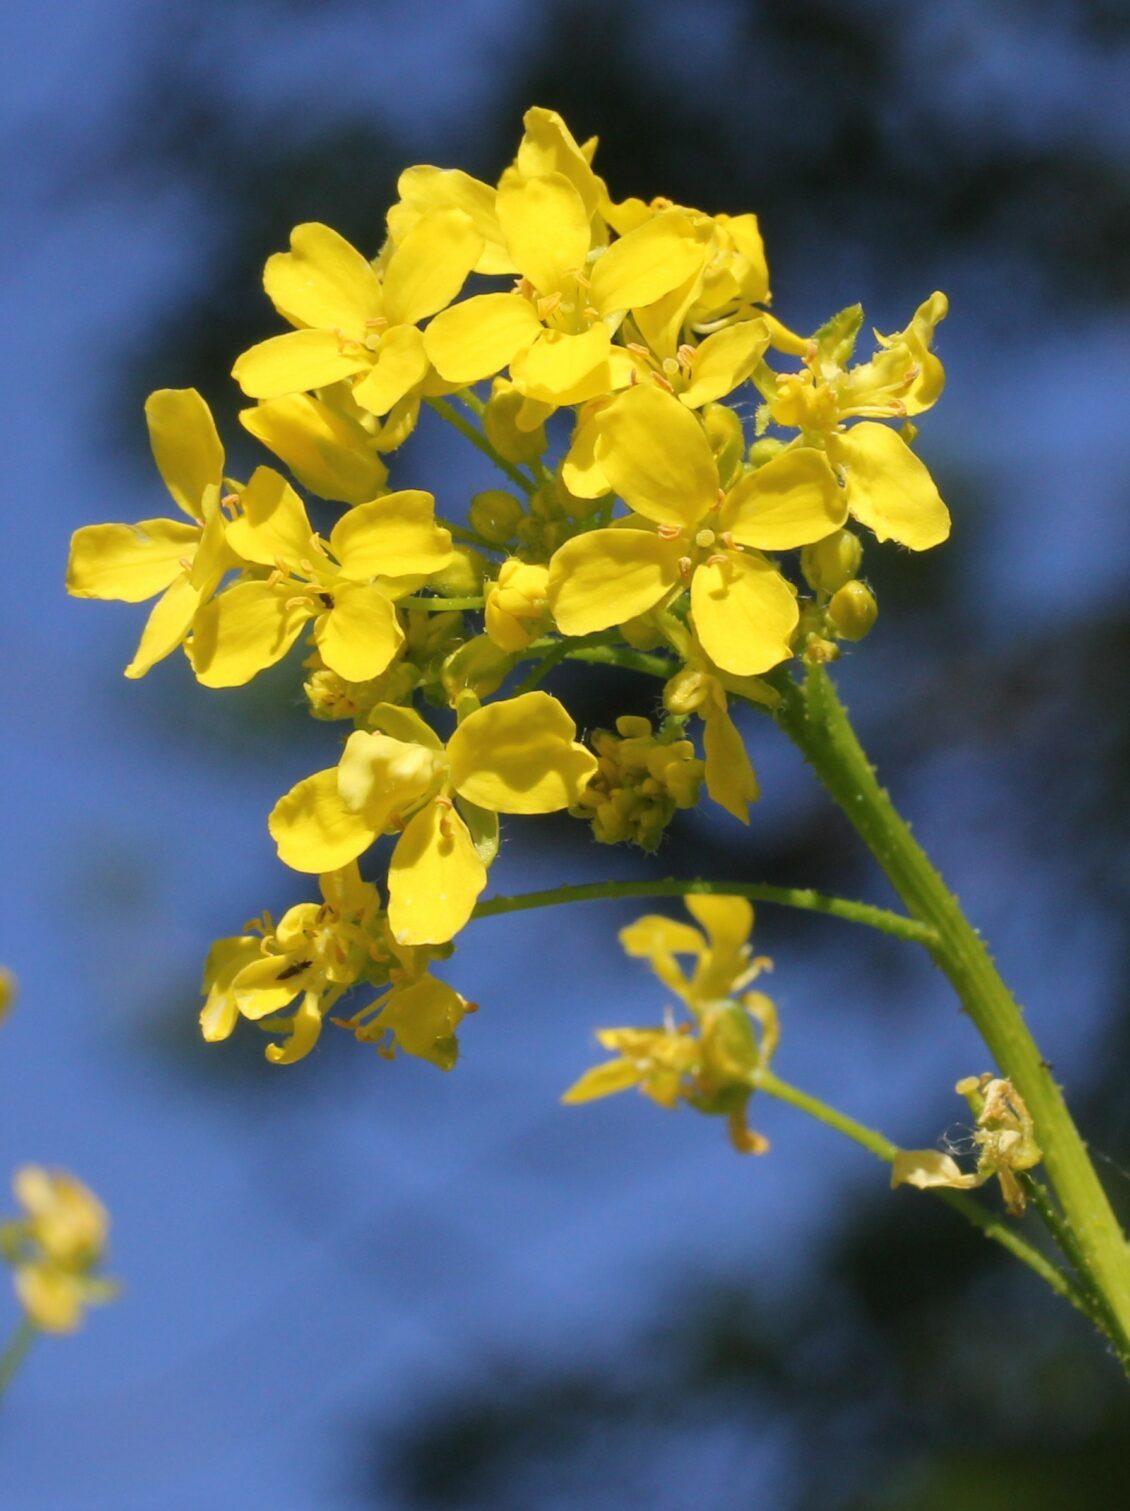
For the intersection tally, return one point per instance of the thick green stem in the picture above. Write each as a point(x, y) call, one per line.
point(789, 897)
point(989, 1223)
point(812, 715)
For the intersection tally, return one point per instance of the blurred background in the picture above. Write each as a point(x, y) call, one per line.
point(350, 1284)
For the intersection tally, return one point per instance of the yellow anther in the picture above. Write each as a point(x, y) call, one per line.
point(685, 567)
point(547, 304)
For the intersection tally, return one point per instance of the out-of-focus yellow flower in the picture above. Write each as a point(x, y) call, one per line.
point(182, 562)
point(888, 488)
point(516, 756)
point(656, 455)
point(376, 553)
point(1004, 1137)
point(7, 991)
point(709, 1059)
point(353, 321)
point(56, 1248)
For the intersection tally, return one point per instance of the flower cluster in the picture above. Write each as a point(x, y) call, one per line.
point(665, 442)
point(55, 1248)
point(709, 1057)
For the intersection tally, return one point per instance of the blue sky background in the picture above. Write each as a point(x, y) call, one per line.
point(315, 1260)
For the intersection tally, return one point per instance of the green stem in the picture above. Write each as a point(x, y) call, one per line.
point(549, 657)
point(1062, 1235)
point(16, 1351)
point(790, 897)
point(812, 715)
point(989, 1223)
point(633, 661)
point(479, 440)
point(439, 605)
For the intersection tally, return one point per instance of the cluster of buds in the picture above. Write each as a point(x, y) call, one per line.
point(641, 780)
point(844, 607)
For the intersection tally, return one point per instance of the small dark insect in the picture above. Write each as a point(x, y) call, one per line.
point(294, 970)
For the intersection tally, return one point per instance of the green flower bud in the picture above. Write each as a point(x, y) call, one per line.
point(853, 611)
point(764, 451)
point(462, 577)
point(832, 562)
point(495, 515)
point(727, 440)
point(500, 425)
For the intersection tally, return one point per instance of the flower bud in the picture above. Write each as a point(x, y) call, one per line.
point(830, 563)
point(478, 665)
point(516, 610)
point(853, 611)
point(463, 576)
point(495, 515)
point(500, 425)
point(764, 451)
point(727, 440)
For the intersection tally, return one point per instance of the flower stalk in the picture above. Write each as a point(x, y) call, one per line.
point(813, 717)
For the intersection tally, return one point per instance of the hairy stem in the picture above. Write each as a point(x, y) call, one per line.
point(813, 717)
point(790, 897)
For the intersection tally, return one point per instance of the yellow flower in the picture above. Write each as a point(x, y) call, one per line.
point(888, 488)
point(656, 455)
point(554, 332)
point(376, 553)
point(182, 562)
point(325, 444)
point(706, 1061)
point(355, 321)
point(698, 688)
point(515, 756)
point(56, 1248)
point(1004, 1137)
point(316, 952)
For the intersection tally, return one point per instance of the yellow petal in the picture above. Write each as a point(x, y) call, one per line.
point(424, 1017)
point(928, 1167)
point(580, 471)
point(425, 188)
point(790, 501)
point(434, 878)
point(647, 263)
point(519, 756)
point(226, 959)
point(654, 935)
point(558, 368)
point(274, 526)
point(888, 488)
point(306, 1028)
point(323, 282)
point(167, 625)
point(383, 777)
point(360, 635)
point(480, 336)
point(393, 536)
point(603, 1081)
point(546, 227)
point(430, 265)
point(328, 452)
point(400, 366)
point(724, 361)
point(403, 724)
point(296, 361)
point(744, 612)
point(268, 984)
point(728, 922)
point(244, 630)
point(655, 454)
point(607, 577)
point(730, 778)
point(129, 562)
point(313, 828)
point(548, 146)
point(745, 234)
point(186, 448)
point(661, 324)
